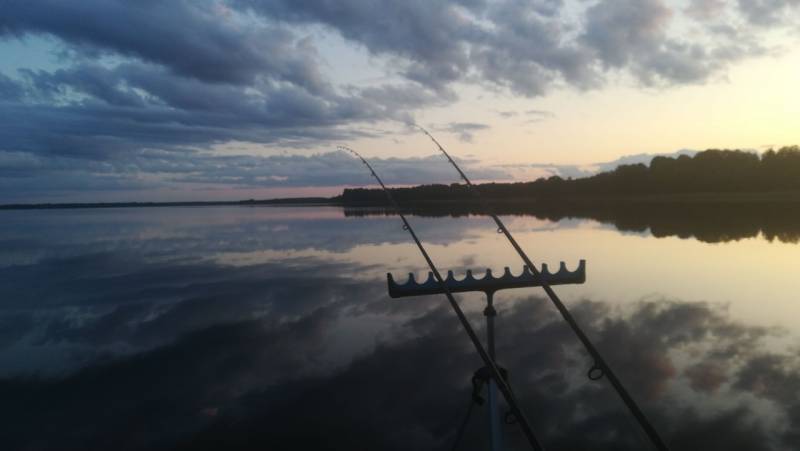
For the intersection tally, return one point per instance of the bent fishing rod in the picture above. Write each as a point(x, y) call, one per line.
point(600, 368)
point(502, 383)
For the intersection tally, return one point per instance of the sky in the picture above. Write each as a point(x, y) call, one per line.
point(115, 100)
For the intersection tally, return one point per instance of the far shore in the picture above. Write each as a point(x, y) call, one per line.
point(787, 197)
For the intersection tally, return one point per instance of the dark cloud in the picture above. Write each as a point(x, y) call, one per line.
point(90, 127)
point(134, 77)
point(13, 327)
point(545, 7)
point(439, 42)
point(544, 114)
point(634, 35)
point(536, 116)
point(428, 34)
point(768, 12)
point(443, 42)
point(705, 9)
point(707, 376)
point(491, 41)
point(618, 30)
point(464, 130)
point(46, 175)
point(533, 115)
point(184, 76)
point(507, 114)
point(9, 89)
point(194, 39)
point(505, 56)
point(135, 106)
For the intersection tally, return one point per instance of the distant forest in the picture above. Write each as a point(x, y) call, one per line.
point(711, 171)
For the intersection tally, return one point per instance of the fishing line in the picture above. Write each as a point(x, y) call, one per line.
point(502, 384)
point(600, 368)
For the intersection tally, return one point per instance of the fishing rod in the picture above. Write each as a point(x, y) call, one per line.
point(502, 384)
point(600, 368)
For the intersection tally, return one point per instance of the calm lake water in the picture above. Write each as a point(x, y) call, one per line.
point(271, 328)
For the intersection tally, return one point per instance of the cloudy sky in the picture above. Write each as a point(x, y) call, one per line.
point(115, 100)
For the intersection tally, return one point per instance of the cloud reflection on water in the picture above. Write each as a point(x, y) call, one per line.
point(190, 232)
point(237, 361)
point(121, 339)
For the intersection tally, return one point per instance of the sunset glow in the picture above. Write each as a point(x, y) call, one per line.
point(231, 100)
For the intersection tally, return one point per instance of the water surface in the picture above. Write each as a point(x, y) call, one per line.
point(271, 327)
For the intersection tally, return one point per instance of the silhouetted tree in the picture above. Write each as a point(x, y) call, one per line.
point(711, 171)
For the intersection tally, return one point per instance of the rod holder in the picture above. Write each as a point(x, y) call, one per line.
point(488, 283)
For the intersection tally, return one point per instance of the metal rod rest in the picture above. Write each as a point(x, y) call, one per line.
point(488, 283)
point(495, 430)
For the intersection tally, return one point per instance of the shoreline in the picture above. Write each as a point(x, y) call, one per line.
point(777, 197)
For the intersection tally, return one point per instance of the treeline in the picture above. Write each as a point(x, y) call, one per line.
point(711, 171)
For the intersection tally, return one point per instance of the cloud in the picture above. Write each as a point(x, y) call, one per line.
point(193, 39)
point(535, 116)
point(9, 89)
point(189, 75)
point(490, 42)
point(769, 12)
point(634, 35)
point(427, 34)
point(266, 380)
point(327, 169)
point(110, 125)
point(44, 176)
point(705, 9)
point(464, 130)
point(707, 376)
point(94, 112)
point(619, 30)
point(435, 43)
